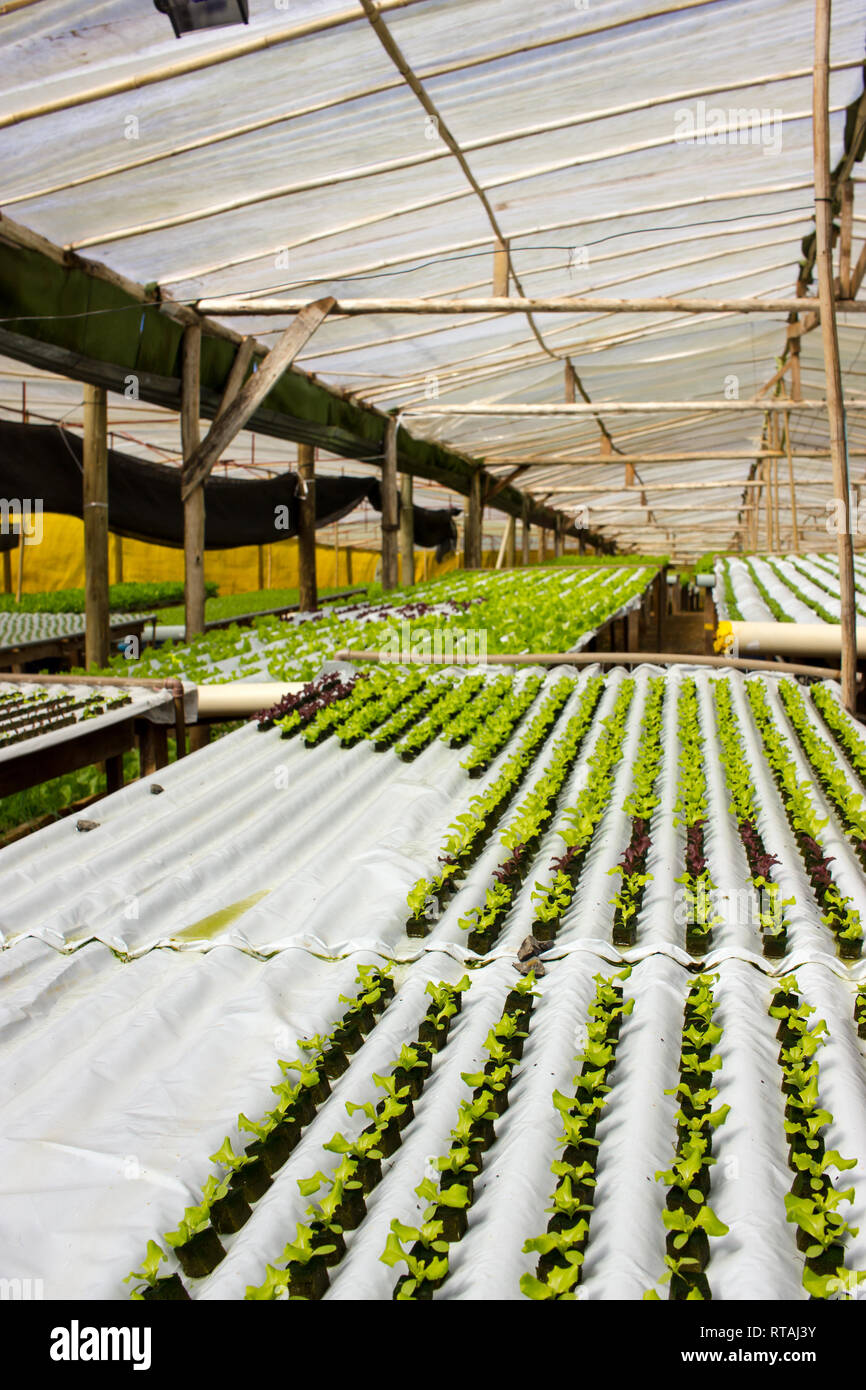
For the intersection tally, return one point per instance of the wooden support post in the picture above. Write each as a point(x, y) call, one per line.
point(152, 747)
point(308, 595)
point(557, 538)
point(845, 239)
point(390, 521)
point(542, 538)
point(349, 566)
point(511, 543)
point(526, 535)
point(193, 507)
point(661, 598)
point(95, 500)
point(830, 343)
point(472, 536)
point(632, 633)
point(709, 621)
point(336, 554)
point(500, 555)
point(407, 531)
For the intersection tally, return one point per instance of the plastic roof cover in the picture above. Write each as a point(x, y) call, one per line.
point(340, 185)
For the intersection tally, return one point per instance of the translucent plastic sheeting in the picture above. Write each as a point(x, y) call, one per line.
point(338, 182)
point(107, 1128)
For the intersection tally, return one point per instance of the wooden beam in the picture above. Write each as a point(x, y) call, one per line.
point(523, 409)
point(193, 501)
point(237, 375)
point(390, 522)
point(472, 535)
point(708, 456)
point(95, 503)
point(565, 304)
point(847, 222)
point(570, 382)
point(830, 343)
point(495, 486)
point(407, 532)
point(308, 593)
point(231, 419)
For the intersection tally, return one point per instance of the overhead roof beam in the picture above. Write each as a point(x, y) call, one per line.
point(234, 307)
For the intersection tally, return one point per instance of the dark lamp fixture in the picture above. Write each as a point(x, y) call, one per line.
point(188, 16)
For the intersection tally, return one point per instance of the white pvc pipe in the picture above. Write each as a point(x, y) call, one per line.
point(786, 639)
point(236, 699)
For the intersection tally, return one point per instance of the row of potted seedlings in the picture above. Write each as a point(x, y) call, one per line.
point(490, 737)
point(424, 1249)
point(523, 832)
point(416, 707)
point(691, 812)
point(580, 821)
point(817, 607)
point(296, 709)
point(772, 920)
point(860, 1013)
point(839, 913)
point(826, 767)
point(813, 1203)
point(562, 1249)
point(841, 727)
point(470, 831)
point(688, 1217)
point(640, 803)
point(464, 692)
point(321, 1245)
point(227, 1200)
point(819, 584)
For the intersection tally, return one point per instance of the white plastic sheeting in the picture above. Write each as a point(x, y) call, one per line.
point(124, 1066)
point(320, 172)
point(107, 1128)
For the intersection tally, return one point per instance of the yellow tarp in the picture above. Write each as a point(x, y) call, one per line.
point(58, 563)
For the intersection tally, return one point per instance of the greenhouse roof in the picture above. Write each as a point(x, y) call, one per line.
point(653, 149)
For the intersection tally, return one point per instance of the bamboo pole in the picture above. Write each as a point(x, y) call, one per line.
point(600, 658)
point(228, 307)
point(830, 343)
point(407, 531)
point(193, 506)
point(566, 409)
point(390, 518)
point(795, 532)
point(95, 507)
point(308, 596)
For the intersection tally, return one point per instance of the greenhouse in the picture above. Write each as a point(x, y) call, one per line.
point(432, 654)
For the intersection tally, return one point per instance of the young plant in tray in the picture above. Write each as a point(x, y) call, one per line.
point(691, 812)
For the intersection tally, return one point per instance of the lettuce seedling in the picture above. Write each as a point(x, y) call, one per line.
point(227, 1158)
point(362, 1147)
point(685, 1225)
point(148, 1273)
point(819, 1218)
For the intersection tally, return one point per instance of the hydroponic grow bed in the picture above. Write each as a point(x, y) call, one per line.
point(700, 833)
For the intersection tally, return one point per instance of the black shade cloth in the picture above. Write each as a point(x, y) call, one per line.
point(43, 463)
